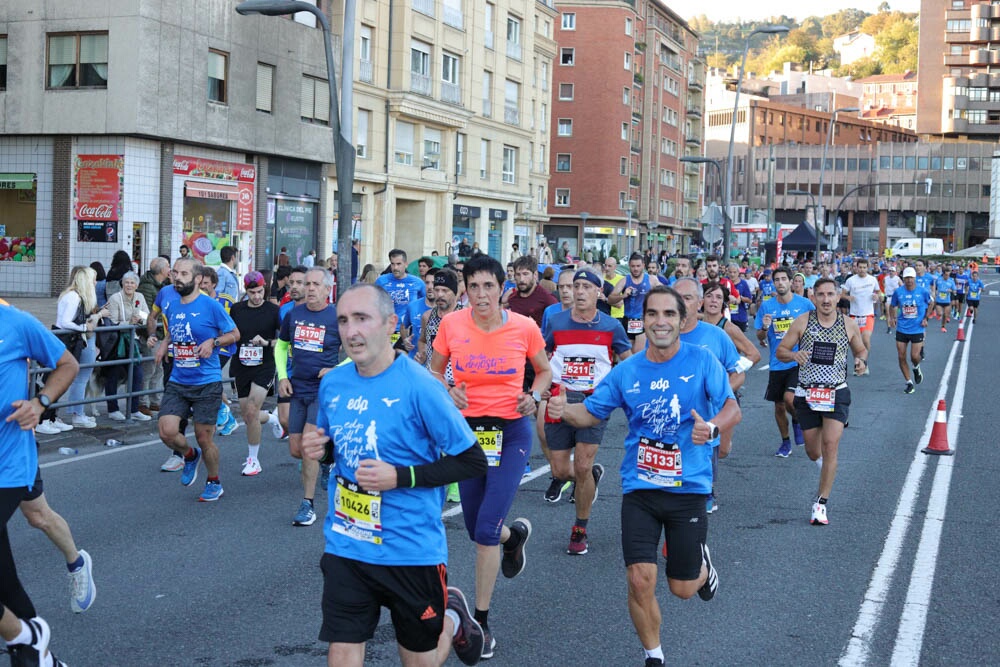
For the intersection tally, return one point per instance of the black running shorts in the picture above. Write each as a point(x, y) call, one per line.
point(680, 517)
point(780, 382)
point(262, 376)
point(809, 418)
point(37, 487)
point(355, 592)
point(909, 338)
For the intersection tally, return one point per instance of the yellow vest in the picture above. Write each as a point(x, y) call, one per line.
point(618, 311)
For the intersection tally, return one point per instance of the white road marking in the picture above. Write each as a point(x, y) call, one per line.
point(765, 367)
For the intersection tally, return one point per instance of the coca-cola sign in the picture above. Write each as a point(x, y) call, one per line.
point(97, 191)
point(197, 167)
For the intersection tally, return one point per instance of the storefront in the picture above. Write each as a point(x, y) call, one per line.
point(498, 219)
point(604, 241)
point(556, 235)
point(18, 204)
point(463, 226)
point(293, 211)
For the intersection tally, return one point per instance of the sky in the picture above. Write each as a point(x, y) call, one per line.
point(730, 10)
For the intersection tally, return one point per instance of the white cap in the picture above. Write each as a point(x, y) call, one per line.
point(909, 272)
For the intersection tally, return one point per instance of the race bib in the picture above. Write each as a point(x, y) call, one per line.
point(821, 399)
point(909, 311)
point(734, 307)
point(781, 327)
point(357, 513)
point(634, 326)
point(309, 338)
point(491, 440)
point(973, 295)
point(251, 355)
point(659, 463)
point(862, 320)
point(185, 355)
point(578, 372)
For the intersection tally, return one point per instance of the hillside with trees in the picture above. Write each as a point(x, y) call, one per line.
point(810, 42)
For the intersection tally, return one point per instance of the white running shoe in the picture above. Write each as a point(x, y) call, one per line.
point(117, 416)
point(47, 428)
point(819, 515)
point(251, 467)
point(139, 417)
point(61, 425)
point(81, 585)
point(173, 463)
point(83, 421)
point(276, 429)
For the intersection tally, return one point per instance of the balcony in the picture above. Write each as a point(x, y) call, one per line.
point(511, 115)
point(694, 112)
point(695, 84)
point(692, 139)
point(365, 71)
point(451, 93)
point(514, 50)
point(636, 146)
point(420, 83)
point(691, 195)
point(691, 168)
point(424, 6)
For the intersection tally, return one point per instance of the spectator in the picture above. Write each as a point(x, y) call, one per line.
point(515, 252)
point(185, 252)
point(309, 261)
point(279, 286)
point(464, 249)
point(121, 264)
point(126, 307)
point(102, 282)
point(283, 259)
point(355, 259)
point(370, 273)
point(546, 282)
point(77, 311)
point(476, 249)
point(152, 373)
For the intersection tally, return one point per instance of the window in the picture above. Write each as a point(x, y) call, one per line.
point(451, 91)
point(511, 102)
point(403, 150)
point(628, 61)
point(564, 162)
point(625, 131)
point(566, 91)
point(977, 94)
point(3, 62)
point(562, 196)
point(432, 148)
point(623, 166)
point(453, 13)
point(568, 21)
point(365, 54)
point(508, 172)
point(621, 201)
point(628, 27)
point(541, 197)
point(567, 56)
point(459, 154)
point(565, 128)
point(76, 61)
point(361, 132)
point(543, 119)
point(541, 158)
point(487, 94)
point(513, 37)
point(265, 87)
point(626, 95)
point(420, 67)
point(424, 7)
point(218, 66)
point(315, 103)
point(488, 33)
point(545, 76)
point(484, 158)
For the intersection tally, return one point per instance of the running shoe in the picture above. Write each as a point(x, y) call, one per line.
point(173, 463)
point(213, 491)
point(83, 421)
point(251, 468)
point(797, 432)
point(556, 489)
point(231, 425)
point(489, 644)
point(47, 428)
point(222, 417)
point(512, 563)
point(468, 641)
point(944, 330)
point(26, 655)
point(710, 504)
point(453, 494)
point(324, 475)
point(654, 662)
point(306, 515)
point(819, 515)
point(276, 429)
point(784, 450)
point(190, 473)
point(82, 590)
point(527, 468)
point(577, 542)
point(918, 375)
point(597, 470)
point(572, 493)
point(909, 388)
point(707, 590)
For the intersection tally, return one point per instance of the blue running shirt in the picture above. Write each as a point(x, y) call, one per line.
point(716, 341)
point(782, 316)
point(190, 325)
point(927, 281)
point(975, 289)
point(657, 399)
point(314, 343)
point(912, 309)
point(402, 416)
point(945, 286)
point(403, 291)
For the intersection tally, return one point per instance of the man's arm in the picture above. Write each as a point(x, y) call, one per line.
point(791, 339)
point(27, 412)
point(617, 294)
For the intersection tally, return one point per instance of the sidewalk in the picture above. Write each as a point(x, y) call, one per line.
point(42, 307)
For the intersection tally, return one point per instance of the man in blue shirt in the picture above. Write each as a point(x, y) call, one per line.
point(944, 288)
point(196, 327)
point(961, 277)
point(394, 439)
point(909, 304)
point(774, 317)
point(23, 338)
point(667, 468)
point(975, 294)
point(401, 286)
point(738, 308)
point(631, 293)
point(410, 324)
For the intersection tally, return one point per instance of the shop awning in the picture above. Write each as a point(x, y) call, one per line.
point(211, 190)
point(17, 181)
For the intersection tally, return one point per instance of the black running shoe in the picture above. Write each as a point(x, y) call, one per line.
point(909, 388)
point(468, 641)
point(30, 654)
point(512, 563)
point(597, 470)
point(555, 491)
point(918, 375)
point(707, 591)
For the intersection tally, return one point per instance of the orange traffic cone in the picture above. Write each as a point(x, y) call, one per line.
point(939, 434)
point(961, 330)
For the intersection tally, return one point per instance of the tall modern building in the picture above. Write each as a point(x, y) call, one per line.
point(451, 124)
point(141, 125)
point(626, 106)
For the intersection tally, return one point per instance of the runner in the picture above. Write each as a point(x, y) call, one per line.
point(774, 317)
point(309, 332)
point(891, 284)
point(975, 294)
point(738, 312)
point(909, 316)
point(528, 298)
point(488, 347)
point(252, 367)
point(961, 277)
point(583, 342)
point(410, 325)
point(155, 329)
point(631, 293)
point(611, 280)
point(714, 303)
point(944, 287)
point(861, 290)
point(401, 286)
point(295, 296)
point(818, 341)
point(385, 540)
point(564, 287)
point(197, 326)
point(666, 471)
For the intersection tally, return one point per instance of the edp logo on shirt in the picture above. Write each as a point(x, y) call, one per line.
point(660, 384)
point(360, 404)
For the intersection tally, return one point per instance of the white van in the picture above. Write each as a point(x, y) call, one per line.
point(911, 247)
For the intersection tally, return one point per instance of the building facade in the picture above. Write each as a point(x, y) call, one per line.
point(626, 106)
point(143, 125)
point(890, 99)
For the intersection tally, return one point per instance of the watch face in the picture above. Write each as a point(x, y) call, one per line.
point(44, 400)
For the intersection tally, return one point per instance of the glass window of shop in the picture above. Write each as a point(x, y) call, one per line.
point(207, 226)
point(298, 184)
point(295, 228)
point(18, 194)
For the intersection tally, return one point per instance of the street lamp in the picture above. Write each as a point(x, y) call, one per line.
point(340, 124)
point(694, 159)
point(727, 200)
point(629, 206)
point(820, 213)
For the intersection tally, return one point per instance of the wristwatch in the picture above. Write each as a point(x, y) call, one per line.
point(44, 400)
point(537, 395)
point(714, 431)
point(218, 343)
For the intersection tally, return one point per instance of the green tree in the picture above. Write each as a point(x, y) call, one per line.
point(896, 45)
point(862, 67)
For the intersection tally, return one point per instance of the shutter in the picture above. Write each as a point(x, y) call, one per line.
point(62, 50)
point(265, 82)
point(322, 100)
point(308, 98)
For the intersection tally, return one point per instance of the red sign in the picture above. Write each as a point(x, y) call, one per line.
point(98, 187)
point(778, 249)
point(244, 208)
point(217, 169)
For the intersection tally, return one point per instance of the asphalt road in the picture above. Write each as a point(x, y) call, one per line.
point(902, 575)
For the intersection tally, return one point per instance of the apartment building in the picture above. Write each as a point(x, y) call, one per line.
point(627, 104)
point(451, 125)
point(890, 99)
point(142, 125)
